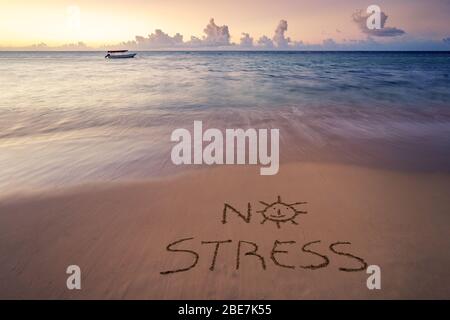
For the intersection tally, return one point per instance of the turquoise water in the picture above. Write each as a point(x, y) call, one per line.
point(70, 117)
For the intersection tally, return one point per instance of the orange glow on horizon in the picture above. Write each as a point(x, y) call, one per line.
point(24, 23)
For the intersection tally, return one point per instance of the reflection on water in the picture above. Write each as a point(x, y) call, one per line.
point(68, 118)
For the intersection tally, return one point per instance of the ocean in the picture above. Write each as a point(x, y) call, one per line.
point(68, 118)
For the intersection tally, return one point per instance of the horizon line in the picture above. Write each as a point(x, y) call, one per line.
point(228, 50)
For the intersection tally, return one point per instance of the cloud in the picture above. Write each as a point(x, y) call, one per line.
point(215, 36)
point(79, 46)
point(265, 43)
point(218, 38)
point(195, 42)
point(370, 44)
point(246, 41)
point(279, 38)
point(39, 46)
point(42, 46)
point(329, 43)
point(158, 39)
point(360, 19)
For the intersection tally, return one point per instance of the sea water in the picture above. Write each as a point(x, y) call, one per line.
point(74, 117)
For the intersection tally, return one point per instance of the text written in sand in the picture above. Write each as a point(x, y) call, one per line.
point(278, 212)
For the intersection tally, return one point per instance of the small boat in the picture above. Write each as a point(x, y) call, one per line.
point(119, 54)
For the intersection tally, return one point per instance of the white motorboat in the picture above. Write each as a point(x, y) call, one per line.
point(119, 54)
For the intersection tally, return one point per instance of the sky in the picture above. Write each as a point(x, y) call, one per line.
point(277, 24)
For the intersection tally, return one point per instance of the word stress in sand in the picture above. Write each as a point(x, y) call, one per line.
point(277, 212)
point(313, 255)
point(279, 255)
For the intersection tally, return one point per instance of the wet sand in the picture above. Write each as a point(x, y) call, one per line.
point(118, 234)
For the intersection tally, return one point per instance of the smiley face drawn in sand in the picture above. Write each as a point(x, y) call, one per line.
point(280, 212)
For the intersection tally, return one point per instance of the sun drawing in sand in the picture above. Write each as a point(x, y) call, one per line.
point(280, 212)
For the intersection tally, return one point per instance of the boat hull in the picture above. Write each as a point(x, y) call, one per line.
point(121, 56)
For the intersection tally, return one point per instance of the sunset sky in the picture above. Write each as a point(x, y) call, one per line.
point(107, 22)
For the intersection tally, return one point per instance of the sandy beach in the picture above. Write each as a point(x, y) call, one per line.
point(118, 234)
point(88, 175)
point(225, 150)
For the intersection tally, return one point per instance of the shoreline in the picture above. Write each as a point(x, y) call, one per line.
point(184, 171)
point(60, 149)
point(118, 234)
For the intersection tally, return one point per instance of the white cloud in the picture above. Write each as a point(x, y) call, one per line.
point(329, 44)
point(360, 19)
point(158, 39)
point(246, 41)
point(215, 36)
point(265, 42)
point(218, 37)
point(279, 39)
point(79, 46)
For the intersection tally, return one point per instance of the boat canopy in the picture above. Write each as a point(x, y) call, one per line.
point(117, 51)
